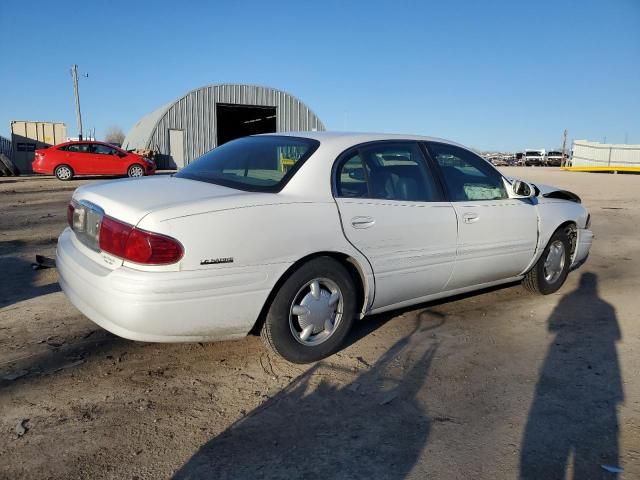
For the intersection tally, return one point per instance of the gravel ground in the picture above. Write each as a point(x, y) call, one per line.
point(500, 384)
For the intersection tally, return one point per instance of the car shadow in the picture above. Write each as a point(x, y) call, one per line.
point(321, 426)
point(56, 354)
point(371, 323)
point(69, 354)
point(23, 285)
point(573, 423)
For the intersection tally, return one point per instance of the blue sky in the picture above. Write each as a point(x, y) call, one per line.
point(489, 74)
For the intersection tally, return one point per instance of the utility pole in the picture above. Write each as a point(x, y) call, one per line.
point(74, 75)
point(564, 146)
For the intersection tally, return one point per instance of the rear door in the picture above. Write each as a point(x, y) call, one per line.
point(393, 211)
point(79, 157)
point(497, 235)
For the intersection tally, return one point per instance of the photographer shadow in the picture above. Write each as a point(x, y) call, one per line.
point(573, 422)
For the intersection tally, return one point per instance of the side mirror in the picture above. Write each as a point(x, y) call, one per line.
point(523, 189)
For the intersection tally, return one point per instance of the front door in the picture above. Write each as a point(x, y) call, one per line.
point(497, 235)
point(393, 211)
point(107, 161)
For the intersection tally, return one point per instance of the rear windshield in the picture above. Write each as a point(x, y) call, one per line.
point(261, 163)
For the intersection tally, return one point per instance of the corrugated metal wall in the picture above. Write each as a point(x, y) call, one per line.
point(5, 146)
point(195, 113)
point(27, 136)
point(595, 154)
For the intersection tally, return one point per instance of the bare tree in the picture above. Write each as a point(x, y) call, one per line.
point(114, 135)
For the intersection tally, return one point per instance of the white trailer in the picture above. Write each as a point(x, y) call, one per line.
point(596, 156)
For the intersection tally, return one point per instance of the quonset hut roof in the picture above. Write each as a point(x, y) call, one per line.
point(195, 114)
point(138, 136)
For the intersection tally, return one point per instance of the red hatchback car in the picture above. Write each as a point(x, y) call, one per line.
point(90, 158)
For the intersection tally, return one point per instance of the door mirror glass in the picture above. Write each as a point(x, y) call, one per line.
point(522, 189)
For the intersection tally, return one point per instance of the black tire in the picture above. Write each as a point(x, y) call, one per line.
point(135, 171)
point(63, 172)
point(280, 323)
point(535, 280)
point(7, 166)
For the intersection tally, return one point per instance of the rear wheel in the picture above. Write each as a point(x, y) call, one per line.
point(551, 270)
point(63, 172)
point(312, 312)
point(135, 171)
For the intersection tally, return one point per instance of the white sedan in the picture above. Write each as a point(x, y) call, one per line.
point(297, 235)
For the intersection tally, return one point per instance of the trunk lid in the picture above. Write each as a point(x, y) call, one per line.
point(130, 200)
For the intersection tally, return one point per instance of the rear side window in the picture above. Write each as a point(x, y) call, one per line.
point(390, 171)
point(467, 176)
point(261, 163)
point(352, 178)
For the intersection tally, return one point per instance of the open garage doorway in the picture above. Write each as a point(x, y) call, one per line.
point(234, 121)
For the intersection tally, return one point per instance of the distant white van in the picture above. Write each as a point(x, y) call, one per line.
point(534, 157)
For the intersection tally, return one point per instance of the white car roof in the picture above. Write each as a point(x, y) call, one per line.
point(346, 139)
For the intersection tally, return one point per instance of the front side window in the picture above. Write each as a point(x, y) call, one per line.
point(467, 176)
point(103, 149)
point(261, 163)
point(390, 171)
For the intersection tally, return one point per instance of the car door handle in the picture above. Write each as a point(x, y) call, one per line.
point(470, 217)
point(362, 222)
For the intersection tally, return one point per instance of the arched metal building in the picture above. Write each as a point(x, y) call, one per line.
point(204, 118)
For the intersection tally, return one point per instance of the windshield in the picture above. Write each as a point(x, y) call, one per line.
point(261, 163)
point(533, 154)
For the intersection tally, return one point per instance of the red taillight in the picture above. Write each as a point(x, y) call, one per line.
point(137, 245)
point(70, 210)
point(113, 236)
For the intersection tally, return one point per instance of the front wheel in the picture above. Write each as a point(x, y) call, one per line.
point(551, 270)
point(312, 312)
point(135, 171)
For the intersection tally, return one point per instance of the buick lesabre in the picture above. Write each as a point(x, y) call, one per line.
point(298, 235)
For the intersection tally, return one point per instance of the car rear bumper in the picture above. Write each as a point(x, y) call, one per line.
point(38, 166)
point(583, 245)
point(183, 306)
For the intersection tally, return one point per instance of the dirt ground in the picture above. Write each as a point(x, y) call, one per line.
point(495, 385)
